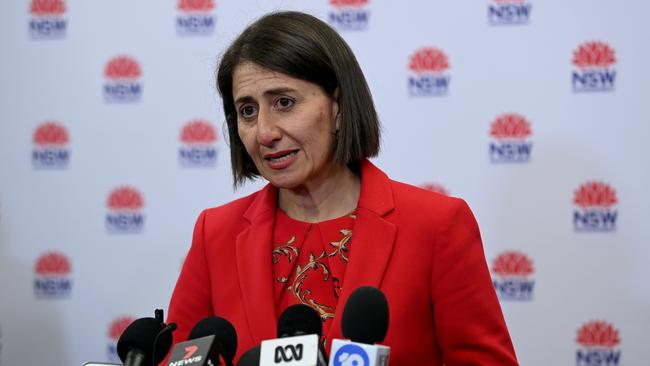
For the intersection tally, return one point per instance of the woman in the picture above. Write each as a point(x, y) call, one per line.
point(300, 114)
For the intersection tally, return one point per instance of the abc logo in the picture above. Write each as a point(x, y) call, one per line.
point(351, 355)
point(288, 353)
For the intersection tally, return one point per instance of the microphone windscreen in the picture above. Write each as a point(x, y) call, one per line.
point(141, 335)
point(251, 357)
point(223, 331)
point(365, 316)
point(299, 319)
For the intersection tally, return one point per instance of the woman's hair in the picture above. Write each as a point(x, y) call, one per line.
point(303, 47)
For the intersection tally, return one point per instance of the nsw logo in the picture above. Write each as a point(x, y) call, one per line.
point(195, 17)
point(512, 271)
point(507, 12)
point(115, 330)
point(52, 276)
point(122, 83)
point(428, 73)
point(125, 211)
point(595, 207)
point(435, 187)
point(50, 146)
point(351, 355)
point(47, 19)
point(510, 143)
point(598, 344)
point(349, 14)
point(594, 72)
point(198, 139)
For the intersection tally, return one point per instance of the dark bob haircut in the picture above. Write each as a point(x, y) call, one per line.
point(303, 47)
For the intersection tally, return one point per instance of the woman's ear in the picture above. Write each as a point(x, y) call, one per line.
point(336, 110)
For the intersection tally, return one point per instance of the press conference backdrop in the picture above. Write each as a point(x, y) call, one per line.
point(535, 112)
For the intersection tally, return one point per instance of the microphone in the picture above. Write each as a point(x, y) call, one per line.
point(145, 342)
point(212, 341)
point(364, 323)
point(299, 331)
point(250, 357)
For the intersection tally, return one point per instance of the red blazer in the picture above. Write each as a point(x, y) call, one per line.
point(422, 249)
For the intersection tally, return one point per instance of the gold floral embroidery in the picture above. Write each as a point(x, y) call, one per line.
point(341, 247)
point(302, 294)
point(288, 251)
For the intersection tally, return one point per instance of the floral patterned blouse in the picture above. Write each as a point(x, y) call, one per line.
point(309, 261)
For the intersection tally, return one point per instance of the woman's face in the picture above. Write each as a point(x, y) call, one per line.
point(287, 126)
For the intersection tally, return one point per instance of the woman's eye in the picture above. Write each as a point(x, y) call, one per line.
point(284, 103)
point(247, 111)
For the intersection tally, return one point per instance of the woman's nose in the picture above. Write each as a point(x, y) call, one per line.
point(268, 131)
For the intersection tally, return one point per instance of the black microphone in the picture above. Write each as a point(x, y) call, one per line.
point(250, 357)
point(145, 342)
point(299, 319)
point(212, 341)
point(365, 316)
point(224, 333)
point(364, 322)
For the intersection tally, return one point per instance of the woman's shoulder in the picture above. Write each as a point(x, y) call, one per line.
point(424, 200)
point(231, 211)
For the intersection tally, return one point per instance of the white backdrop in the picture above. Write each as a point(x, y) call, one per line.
point(535, 112)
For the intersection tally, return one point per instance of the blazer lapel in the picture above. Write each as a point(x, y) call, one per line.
point(254, 269)
point(373, 238)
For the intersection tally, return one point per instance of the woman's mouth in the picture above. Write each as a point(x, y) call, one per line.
point(281, 159)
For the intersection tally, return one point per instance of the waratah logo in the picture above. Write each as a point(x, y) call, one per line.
point(50, 146)
point(506, 12)
point(512, 271)
point(125, 211)
point(435, 187)
point(428, 73)
point(594, 62)
point(195, 17)
point(52, 271)
point(47, 21)
point(349, 14)
point(122, 80)
point(598, 343)
point(510, 143)
point(198, 139)
point(115, 330)
point(595, 207)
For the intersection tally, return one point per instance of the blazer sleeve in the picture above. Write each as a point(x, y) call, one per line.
point(191, 300)
point(469, 324)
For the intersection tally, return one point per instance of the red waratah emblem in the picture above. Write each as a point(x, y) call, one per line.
point(598, 333)
point(510, 126)
point(118, 325)
point(435, 187)
point(348, 3)
point(429, 60)
point(122, 67)
point(47, 7)
point(512, 263)
point(52, 264)
point(125, 198)
point(594, 54)
point(595, 194)
point(198, 131)
point(50, 133)
point(195, 5)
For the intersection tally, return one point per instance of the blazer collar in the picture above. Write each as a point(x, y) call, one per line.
point(372, 245)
